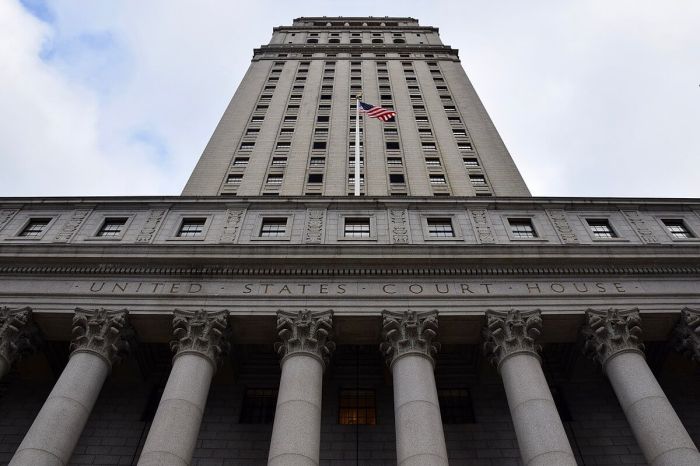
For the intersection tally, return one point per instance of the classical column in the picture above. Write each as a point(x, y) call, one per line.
point(510, 344)
point(99, 340)
point(200, 341)
point(18, 336)
point(409, 348)
point(613, 338)
point(687, 334)
point(305, 350)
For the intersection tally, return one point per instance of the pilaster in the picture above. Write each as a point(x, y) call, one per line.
point(102, 332)
point(305, 332)
point(612, 331)
point(409, 332)
point(510, 333)
point(203, 333)
point(687, 334)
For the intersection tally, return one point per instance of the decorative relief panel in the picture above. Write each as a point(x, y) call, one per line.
point(482, 226)
point(155, 217)
point(232, 226)
point(399, 226)
point(562, 226)
point(71, 226)
point(315, 221)
point(5, 216)
point(640, 226)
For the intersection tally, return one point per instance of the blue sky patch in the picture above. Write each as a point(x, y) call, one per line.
point(39, 8)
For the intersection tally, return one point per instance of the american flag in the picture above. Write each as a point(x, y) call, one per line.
point(376, 112)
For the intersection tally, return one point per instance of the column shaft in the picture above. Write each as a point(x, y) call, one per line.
point(57, 428)
point(660, 434)
point(541, 436)
point(420, 440)
point(175, 428)
point(296, 434)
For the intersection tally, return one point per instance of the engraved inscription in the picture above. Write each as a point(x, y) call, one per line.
point(562, 226)
point(71, 226)
point(149, 229)
point(482, 226)
point(233, 225)
point(5, 216)
point(637, 222)
point(315, 219)
point(399, 228)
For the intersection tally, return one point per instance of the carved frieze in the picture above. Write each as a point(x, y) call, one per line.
point(562, 226)
point(5, 216)
point(102, 332)
point(315, 221)
point(305, 332)
point(639, 225)
point(204, 333)
point(482, 226)
point(687, 334)
point(512, 332)
point(612, 331)
point(232, 225)
point(18, 334)
point(71, 225)
point(153, 221)
point(399, 226)
point(409, 332)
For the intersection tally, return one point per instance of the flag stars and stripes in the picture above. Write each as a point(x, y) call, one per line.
point(373, 111)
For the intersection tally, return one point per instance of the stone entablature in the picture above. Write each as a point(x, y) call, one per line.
point(557, 221)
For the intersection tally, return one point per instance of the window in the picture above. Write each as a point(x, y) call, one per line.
point(240, 161)
point(252, 131)
point(191, 227)
point(319, 145)
point(35, 227)
point(247, 145)
point(394, 161)
point(111, 227)
point(432, 161)
point(258, 406)
point(477, 180)
point(317, 161)
point(429, 146)
point(601, 228)
point(315, 178)
point(440, 228)
point(234, 179)
point(391, 145)
point(357, 407)
point(678, 229)
point(456, 406)
point(522, 228)
point(438, 179)
point(279, 161)
point(274, 179)
point(470, 162)
point(396, 178)
point(356, 228)
point(273, 227)
point(322, 118)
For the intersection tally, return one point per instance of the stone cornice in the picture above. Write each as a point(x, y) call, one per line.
point(305, 332)
point(350, 48)
point(101, 332)
point(510, 333)
point(687, 334)
point(203, 333)
point(18, 334)
point(610, 332)
point(409, 332)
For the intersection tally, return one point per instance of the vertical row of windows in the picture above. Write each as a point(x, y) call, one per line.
point(396, 174)
point(355, 89)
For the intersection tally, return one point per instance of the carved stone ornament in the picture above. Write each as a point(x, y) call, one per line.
point(102, 332)
point(204, 333)
point(18, 334)
point(687, 334)
point(512, 332)
point(305, 332)
point(612, 331)
point(409, 332)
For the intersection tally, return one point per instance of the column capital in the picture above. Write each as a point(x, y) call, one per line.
point(18, 334)
point(305, 332)
point(102, 332)
point(687, 334)
point(612, 331)
point(409, 332)
point(203, 333)
point(511, 332)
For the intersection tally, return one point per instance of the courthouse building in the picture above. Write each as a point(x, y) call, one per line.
point(270, 316)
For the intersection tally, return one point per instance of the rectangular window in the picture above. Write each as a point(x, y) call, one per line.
point(247, 145)
point(470, 162)
point(456, 406)
point(601, 228)
point(357, 407)
point(432, 161)
point(273, 227)
point(317, 161)
point(396, 178)
point(394, 161)
point(392, 145)
point(315, 178)
point(279, 161)
point(522, 228)
point(234, 179)
point(319, 145)
point(35, 227)
point(356, 228)
point(274, 179)
point(440, 228)
point(438, 179)
point(191, 227)
point(258, 406)
point(111, 227)
point(678, 229)
point(283, 145)
point(322, 118)
point(477, 180)
point(429, 146)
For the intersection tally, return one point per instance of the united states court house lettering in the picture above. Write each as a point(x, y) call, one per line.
point(270, 316)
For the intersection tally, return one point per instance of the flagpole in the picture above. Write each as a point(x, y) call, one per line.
point(357, 146)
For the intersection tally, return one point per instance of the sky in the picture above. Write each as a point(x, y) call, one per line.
point(593, 98)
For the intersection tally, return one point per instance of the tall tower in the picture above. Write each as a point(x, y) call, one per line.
point(290, 127)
